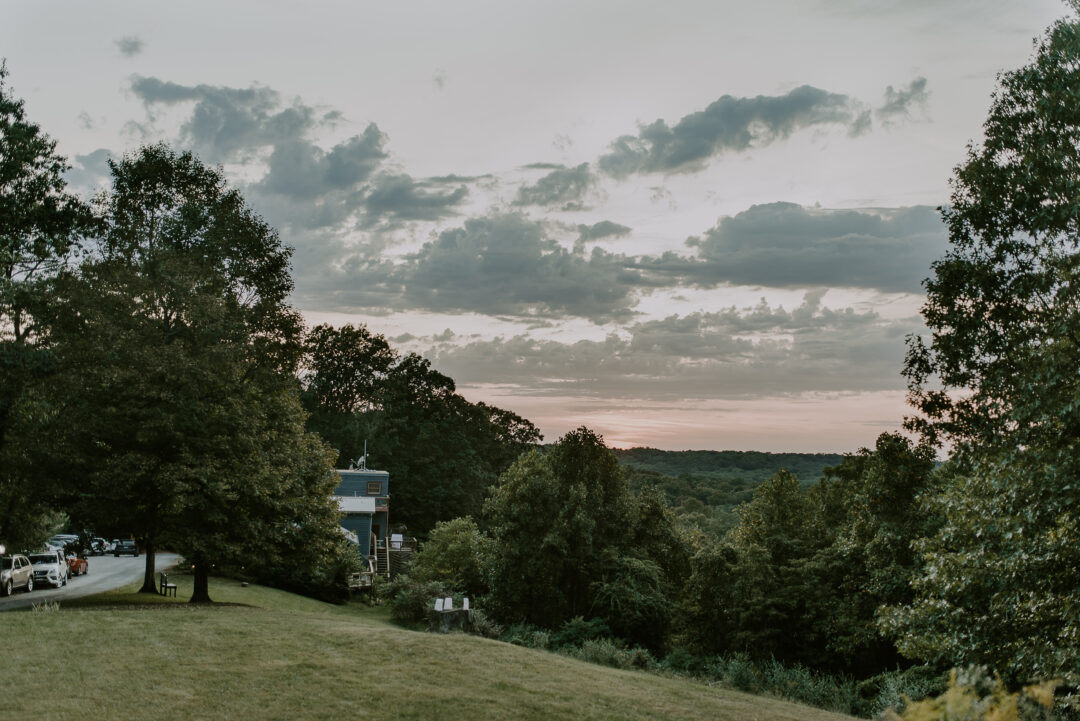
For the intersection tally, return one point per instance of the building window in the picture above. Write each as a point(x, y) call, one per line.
point(374, 488)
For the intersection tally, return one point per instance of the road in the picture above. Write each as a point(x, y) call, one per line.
point(103, 574)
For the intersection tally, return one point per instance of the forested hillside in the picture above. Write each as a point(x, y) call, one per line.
point(755, 466)
point(705, 487)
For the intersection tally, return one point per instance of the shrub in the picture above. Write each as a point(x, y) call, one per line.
point(527, 635)
point(896, 689)
point(799, 683)
point(608, 652)
point(575, 632)
point(411, 601)
point(484, 626)
point(972, 696)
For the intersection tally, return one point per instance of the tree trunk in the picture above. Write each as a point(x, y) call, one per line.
point(148, 585)
point(201, 591)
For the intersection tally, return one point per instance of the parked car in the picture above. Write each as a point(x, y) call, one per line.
point(123, 548)
point(77, 566)
point(16, 572)
point(99, 547)
point(49, 567)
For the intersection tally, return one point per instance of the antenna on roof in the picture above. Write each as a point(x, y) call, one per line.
point(363, 458)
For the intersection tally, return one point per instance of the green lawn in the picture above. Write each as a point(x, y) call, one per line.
point(281, 656)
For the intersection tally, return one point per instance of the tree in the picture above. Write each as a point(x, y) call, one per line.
point(998, 380)
point(571, 540)
point(180, 353)
point(442, 452)
point(40, 225)
point(458, 554)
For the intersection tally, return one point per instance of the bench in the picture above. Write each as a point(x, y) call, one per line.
point(166, 587)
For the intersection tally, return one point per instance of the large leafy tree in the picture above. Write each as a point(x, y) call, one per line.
point(442, 451)
point(40, 224)
point(998, 379)
point(180, 353)
point(571, 540)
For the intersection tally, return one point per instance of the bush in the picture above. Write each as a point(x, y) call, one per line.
point(575, 632)
point(799, 683)
point(737, 671)
point(682, 661)
point(527, 635)
point(895, 689)
point(411, 601)
point(484, 626)
point(973, 696)
point(608, 652)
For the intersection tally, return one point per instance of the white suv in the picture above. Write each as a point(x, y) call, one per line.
point(50, 567)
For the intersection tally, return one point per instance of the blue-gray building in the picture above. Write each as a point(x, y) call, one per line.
point(364, 497)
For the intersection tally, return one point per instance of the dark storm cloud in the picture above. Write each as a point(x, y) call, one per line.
point(728, 124)
point(397, 197)
point(898, 103)
point(228, 123)
point(130, 45)
point(562, 188)
point(751, 352)
point(603, 229)
point(785, 245)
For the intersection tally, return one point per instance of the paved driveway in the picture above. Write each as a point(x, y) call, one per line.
point(103, 574)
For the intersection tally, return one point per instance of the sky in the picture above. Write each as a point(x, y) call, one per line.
point(686, 225)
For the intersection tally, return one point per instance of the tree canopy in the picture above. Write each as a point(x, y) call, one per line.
point(998, 380)
point(180, 351)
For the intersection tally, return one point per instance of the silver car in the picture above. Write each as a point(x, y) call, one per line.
point(50, 567)
point(15, 572)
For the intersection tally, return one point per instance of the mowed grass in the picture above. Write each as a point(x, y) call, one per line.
point(282, 656)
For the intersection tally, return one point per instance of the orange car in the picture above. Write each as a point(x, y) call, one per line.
point(77, 566)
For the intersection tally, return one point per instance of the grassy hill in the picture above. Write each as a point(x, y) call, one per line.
point(281, 656)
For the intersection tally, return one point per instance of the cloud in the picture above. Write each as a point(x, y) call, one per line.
point(898, 103)
point(733, 353)
point(130, 45)
point(300, 169)
point(229, 123)
point(562, 187)
point(510, 265)
point(397, 197)
point(728, 124)
point(86, 121)
point(500, 264)
point(90, 172)
point(603, 229)
point(784, 245)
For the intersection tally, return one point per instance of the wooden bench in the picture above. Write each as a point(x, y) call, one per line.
point(166, 587)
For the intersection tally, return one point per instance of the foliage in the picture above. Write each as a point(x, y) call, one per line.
point(607, 652)
point(801, 576)
point(441, 451)
point(972, 696)
point(411, 601)
point(998, 380)
point(571, 540)
point(40, 226)
point(577, 631)
point(178, 350)
point(458, 554)
point(1000, 585)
